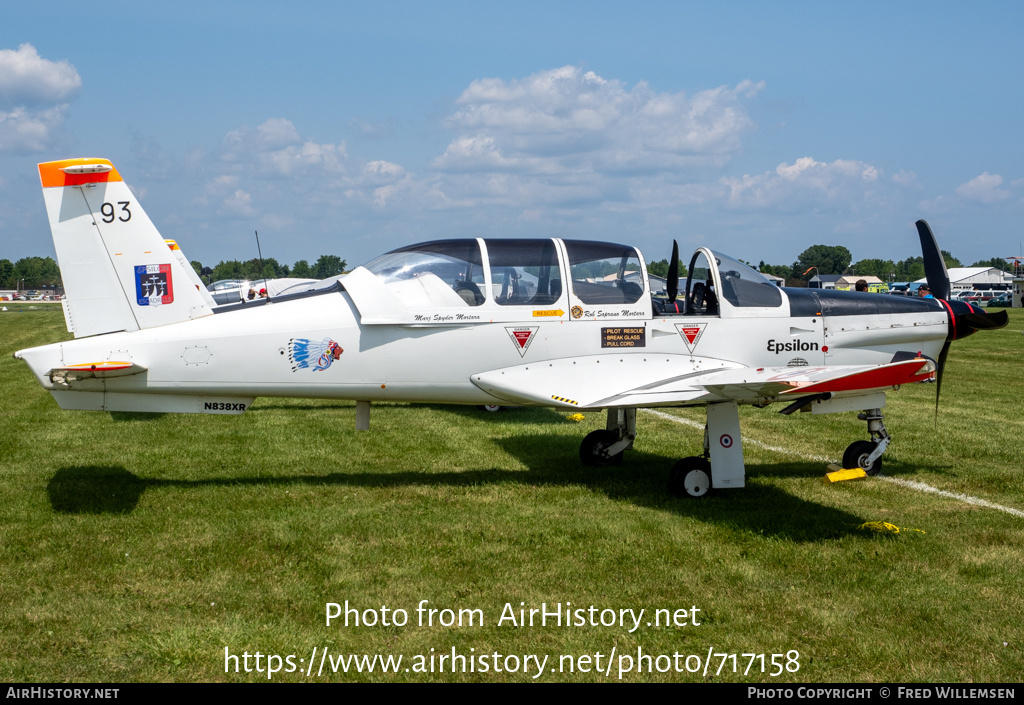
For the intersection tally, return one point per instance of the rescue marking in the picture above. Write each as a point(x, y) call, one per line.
point(522, 336)
point(910, 484)
point(691, 333)
point(623, 338)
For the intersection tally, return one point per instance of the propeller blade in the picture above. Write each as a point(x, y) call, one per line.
point(985, 321)
point(672, 285)
point(938, 376)
point(934, 264)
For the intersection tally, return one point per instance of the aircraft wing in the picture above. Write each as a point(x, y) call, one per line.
point(605, 381)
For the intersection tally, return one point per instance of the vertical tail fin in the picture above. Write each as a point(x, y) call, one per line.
point(118, 272)
point(191, 273)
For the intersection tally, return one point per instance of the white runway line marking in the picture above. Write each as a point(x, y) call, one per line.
point(910, 484)
point(952, 495)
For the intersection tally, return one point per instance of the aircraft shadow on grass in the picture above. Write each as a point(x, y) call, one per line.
point(758, 508)
point(134, 416)
point(534, 415)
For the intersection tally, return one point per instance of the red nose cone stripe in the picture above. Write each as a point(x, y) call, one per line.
point(952, 316)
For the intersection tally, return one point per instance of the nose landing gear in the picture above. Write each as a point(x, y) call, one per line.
point(867, 455)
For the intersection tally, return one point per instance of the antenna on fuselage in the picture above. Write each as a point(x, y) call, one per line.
point(263, 272)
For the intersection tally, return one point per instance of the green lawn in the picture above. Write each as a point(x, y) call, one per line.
point(137, 547)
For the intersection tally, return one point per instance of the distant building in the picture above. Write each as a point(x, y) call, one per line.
point(824, 281)
point(849, 283)
point(981, 279)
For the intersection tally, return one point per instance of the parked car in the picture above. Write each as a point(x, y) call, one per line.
point(1003, 300)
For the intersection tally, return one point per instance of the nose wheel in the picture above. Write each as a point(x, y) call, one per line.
point(867, 455)
point(858, 455)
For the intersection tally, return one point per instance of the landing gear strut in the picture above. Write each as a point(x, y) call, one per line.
point(605, 447)
point(867, 455)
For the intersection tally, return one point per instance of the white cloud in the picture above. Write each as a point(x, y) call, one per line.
point(239, 203)
point(905, 178)
point(24, 130)
point(273, 172)
point(35, 91)
point(805, 183)
point(570, 121)
point(223, 193)
point(984, 189)
point(28, 79)
point(274, 148)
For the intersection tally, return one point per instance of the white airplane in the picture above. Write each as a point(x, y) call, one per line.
point(569, 324)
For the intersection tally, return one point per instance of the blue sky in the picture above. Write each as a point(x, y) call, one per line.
point(354, 128)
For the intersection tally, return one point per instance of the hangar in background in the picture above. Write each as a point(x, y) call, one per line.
point(978, 279)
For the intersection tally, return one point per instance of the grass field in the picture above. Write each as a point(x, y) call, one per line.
point(138, 547)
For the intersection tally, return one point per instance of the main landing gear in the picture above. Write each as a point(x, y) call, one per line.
point(690, 477)
point(867, 455)
point(720, 465)
point(605, 447)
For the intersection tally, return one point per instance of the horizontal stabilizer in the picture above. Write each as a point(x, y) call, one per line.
point(86, 370)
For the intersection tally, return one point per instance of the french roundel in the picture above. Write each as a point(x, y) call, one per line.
point(725, 440)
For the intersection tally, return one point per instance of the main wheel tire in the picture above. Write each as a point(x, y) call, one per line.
point(857, 454)
point(690, 477)
point(592, 447)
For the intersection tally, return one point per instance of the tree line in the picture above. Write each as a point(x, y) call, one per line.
point(30, 273)
point(43, 272)
point(836, 259)
point(269, 268)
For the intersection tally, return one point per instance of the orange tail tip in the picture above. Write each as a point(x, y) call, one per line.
point(75, 172)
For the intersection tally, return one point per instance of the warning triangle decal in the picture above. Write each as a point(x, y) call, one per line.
point(522, 336)
point(691, 333)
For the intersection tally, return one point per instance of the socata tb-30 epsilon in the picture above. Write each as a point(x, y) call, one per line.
point(569, 324)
